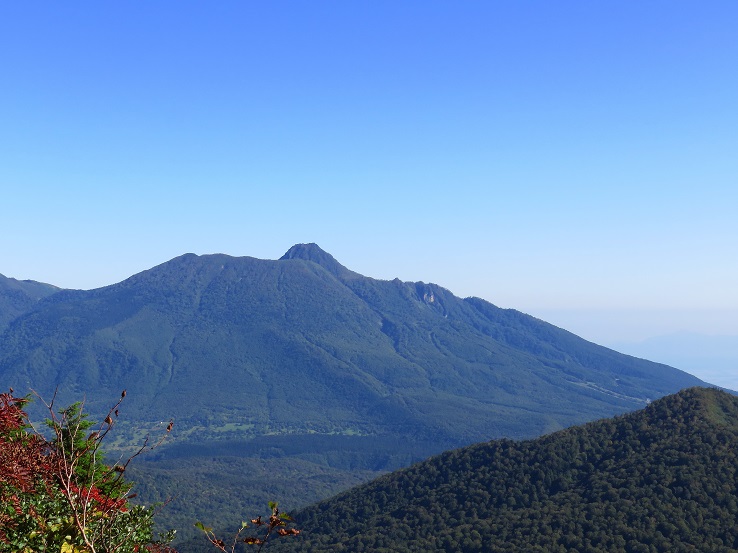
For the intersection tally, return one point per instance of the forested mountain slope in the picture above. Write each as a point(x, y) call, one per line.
point(20, 296)
point(303, 344)
point(661, 479)
point(303, 360)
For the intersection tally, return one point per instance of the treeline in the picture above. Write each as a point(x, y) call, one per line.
point(661, 479)
point(223, 479)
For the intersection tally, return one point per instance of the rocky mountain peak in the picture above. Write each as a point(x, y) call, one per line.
point(313, 252)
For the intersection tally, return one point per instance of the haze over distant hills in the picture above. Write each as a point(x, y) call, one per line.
point(701, 354)
point(305, 360)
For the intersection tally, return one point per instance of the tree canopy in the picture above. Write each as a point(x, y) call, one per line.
point(661, 479)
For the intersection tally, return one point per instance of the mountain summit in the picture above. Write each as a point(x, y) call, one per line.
point(313, 252)
point(302, 359)
point(303, 344)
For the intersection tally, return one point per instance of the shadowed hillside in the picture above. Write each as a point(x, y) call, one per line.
point(660, 479)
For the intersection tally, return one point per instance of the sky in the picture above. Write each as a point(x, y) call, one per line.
point(575, 160)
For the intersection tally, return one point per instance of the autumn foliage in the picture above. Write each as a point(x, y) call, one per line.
point(276, 525)
point(25, 459)
point(58, 494)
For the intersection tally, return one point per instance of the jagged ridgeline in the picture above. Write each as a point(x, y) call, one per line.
point(295, 378)
point(661, 479)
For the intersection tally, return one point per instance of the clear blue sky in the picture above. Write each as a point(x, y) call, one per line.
point(562, 158)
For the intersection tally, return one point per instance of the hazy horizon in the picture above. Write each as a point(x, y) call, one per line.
point(575, 162)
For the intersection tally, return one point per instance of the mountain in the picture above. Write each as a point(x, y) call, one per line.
point(304, 345)
point(20, 296)
point(660, 479)
point(302, 360)
point(710, 357)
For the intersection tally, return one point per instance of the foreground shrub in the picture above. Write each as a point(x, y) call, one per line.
point(58, 495)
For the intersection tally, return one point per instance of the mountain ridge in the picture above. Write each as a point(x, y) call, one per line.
point(313, 306)
point(20, 296)
point(306, 361)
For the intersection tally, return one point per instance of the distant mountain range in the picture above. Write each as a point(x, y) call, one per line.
point(302, 359)
point(708, 356)
point(660, 479)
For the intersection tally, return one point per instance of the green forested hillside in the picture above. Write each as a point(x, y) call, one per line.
point(301, 359)
point(661, 479)
point(20, 296)
point(248, 347)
